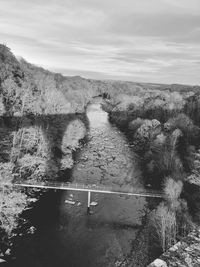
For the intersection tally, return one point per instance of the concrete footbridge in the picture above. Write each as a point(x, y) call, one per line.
point(90, 188)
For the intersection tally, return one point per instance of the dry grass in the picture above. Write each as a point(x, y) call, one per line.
point(172, 191)
point(164, 222)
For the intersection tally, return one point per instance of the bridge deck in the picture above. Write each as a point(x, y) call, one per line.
point(92, 188)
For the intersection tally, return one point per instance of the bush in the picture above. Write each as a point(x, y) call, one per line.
point(192, 107)
point(145, 134)
point(29, 140)
point(31, 167)
point(135, 124)
point(164, 222)
point(172, 190)
point(12, 204)
point(6, 172)
point(184, 123)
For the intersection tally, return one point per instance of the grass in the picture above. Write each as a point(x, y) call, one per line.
point(164, 222)
point(172, 190)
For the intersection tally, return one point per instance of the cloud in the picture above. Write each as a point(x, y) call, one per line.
point(142, 40)
point(164, 26)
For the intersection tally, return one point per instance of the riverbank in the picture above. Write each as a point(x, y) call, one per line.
point(164, 133)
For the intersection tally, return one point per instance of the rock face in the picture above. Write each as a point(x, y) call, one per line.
point(185, 253)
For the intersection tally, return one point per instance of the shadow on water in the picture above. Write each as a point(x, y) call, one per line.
point(58, 242)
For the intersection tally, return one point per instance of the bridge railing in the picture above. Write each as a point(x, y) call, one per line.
point(89, 187)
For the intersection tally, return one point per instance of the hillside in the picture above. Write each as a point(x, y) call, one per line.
point(40, 146)
point(26, 88)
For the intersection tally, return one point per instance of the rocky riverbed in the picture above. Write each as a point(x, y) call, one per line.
point(107, 157)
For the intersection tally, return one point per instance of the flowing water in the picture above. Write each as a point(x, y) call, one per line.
point(66, 235)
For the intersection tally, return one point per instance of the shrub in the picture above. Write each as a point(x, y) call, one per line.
point(145, 134)
point(12, 204)
point(29, 140)
point(164, 222)
point(135, 124)
point(166, 158)
point(185, 124)
point(6, 172)
point(192, 107)
point(31, 167)
point(172, 190)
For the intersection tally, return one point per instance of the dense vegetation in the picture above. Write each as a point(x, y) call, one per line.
point(163, 126)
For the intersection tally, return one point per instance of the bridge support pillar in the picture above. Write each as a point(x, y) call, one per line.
point(88, 203)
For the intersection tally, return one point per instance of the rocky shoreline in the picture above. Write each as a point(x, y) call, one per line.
point(184, 253)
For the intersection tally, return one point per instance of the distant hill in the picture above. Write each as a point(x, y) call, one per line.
point(26, 88)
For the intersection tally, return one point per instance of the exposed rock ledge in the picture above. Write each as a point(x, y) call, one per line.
point(185, 253)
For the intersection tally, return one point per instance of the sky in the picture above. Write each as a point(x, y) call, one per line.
point(135, 40)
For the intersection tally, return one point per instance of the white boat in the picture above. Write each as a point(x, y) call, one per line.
point(70, 202)
point(93, 203)
point(32, 200)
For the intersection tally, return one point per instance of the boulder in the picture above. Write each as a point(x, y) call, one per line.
point(158, 263)
point(184, 253)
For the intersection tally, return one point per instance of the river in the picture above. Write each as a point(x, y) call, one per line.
point(66, 235)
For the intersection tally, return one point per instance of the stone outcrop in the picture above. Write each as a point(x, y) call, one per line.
point(185, 253)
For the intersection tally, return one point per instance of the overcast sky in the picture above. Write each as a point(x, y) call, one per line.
point(138, 40)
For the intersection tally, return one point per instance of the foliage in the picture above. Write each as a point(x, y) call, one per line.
point(185, 124)
point(172, 190)
point(192, 107)
point(10, 209)
point(29, 90)
point(166, 147)
point(164, 222)
point(194, 177)
point(31, 167)
point(58, 94)
point(12, 203)
point(135, 124)
point(6, 172)
point(145, 134)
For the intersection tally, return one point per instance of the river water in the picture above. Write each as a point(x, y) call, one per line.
point(66, 235)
